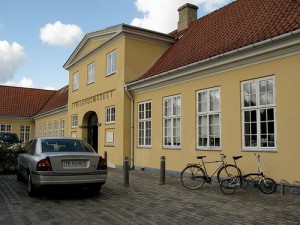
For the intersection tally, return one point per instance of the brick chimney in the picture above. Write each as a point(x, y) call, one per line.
point(187, 15)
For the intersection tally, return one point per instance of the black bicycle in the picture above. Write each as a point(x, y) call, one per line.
point(266, 184)
point(194, 175)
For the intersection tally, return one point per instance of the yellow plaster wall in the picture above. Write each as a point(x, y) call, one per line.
point(282, 164)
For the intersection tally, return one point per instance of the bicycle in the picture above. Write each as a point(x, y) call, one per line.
point(266, 184)
point(194, 175)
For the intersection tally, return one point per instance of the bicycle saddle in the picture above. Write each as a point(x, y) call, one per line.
point(237, 157)
point(200, 157)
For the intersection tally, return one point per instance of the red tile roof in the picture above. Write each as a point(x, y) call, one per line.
point(22, 102)
point(236, 25)
point(59, 99)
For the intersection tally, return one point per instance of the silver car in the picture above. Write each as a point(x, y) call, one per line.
point(61, 161)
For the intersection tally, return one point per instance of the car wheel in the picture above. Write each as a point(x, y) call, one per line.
point(30, 188)
point(94, 188)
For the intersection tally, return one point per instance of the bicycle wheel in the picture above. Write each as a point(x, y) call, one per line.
point(192, 177)
point(228, 171)
point(267, 185)
point(228, 185)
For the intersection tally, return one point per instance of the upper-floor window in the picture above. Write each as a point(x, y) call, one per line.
point(75, 81)
point(91, 73)
point(110, 114)
point(24, 133)
point(74, 121)
point(111, 67)
point(209, 119)
point(49, 128)
point(259, 114)
point(55, 128)
point(172, 121)
point(144, 124)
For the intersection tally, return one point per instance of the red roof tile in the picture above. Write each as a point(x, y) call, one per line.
point(59, 99)
point(236, 25)
point(22, 102)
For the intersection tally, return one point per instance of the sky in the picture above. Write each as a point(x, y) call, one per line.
point(38, 36)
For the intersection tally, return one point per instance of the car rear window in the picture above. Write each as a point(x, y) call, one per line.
point(65, 145)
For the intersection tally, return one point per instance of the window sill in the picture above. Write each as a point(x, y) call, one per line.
point(259, 150)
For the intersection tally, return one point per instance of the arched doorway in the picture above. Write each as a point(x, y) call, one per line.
point(92, 135)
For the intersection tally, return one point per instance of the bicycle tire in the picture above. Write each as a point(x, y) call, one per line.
point(228, 186)
point(192, 177)
point(267, 185)
point(227, 171)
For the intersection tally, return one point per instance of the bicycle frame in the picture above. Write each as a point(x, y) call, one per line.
point(259, 173)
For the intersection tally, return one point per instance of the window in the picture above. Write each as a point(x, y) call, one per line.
point(258, 114)
point(24, 133)
point(55, 132)
point(40, 130)
point(75, 81)
point(144, 124)
point(50, 129)
point(209, 119)
point(91, 73)
point(110, 115)
point(111, 63)
point(74, 120)
point(62, 127)
point(5, 128)
point(172, 121)
point(45, 129)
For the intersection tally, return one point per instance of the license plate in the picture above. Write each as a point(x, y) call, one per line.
point(75, 164)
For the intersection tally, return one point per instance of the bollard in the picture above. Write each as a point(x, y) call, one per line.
point(162, 170)
point(105, 155)
point(126, 172)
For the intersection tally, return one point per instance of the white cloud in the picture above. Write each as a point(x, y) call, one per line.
point(162, 15)
point(11, 58)
point(60, 34)
point(49, 88)
point(24, 82)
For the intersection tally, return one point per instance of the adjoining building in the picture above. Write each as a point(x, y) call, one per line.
point(224, 83)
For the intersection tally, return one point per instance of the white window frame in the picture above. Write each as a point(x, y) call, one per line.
point(145, 124)
point(260, 101)
point(55, 128)
point(208, 127)
point(49, 128)
point(74, 121)
point(91, 73)
point(76, 81)
point(110, 115)
point(5, 128)
point(172, 139)
point(62, 127)
point(25, 133)
point(111, 63)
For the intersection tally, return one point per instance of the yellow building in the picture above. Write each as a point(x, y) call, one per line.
point(225, 83)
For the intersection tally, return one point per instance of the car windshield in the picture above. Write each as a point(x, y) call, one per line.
point(9, 137)
point(65, 145)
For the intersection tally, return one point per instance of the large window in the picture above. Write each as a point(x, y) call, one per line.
point(209, 119)
point(75, 81)
point(55, 128)
point(110, 115)
point(5, 128)
point(172, 122)
point(45, 129)
point(62, 127)
point(24, 133)
point(144, 124)
point(49, 128)
point(91, 73)
point(111, 63)
point(258, 114)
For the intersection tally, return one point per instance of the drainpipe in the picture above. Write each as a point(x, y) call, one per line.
point(131, 127)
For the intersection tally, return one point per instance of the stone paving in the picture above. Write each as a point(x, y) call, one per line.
point(145, 201)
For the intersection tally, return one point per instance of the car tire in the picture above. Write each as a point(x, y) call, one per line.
point(94, 188)
point(30, 188)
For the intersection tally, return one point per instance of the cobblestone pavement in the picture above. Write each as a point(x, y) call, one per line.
point(144, 202)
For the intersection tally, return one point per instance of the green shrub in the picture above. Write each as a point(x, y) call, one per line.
point(8, 156)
